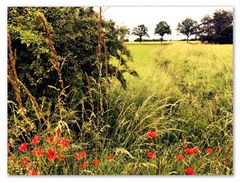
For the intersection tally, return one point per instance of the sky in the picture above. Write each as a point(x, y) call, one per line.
point(150, 16)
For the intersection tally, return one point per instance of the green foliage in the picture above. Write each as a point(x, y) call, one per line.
point(187, 27)
point(123, 31)
point(218, 28)
point(140, 31)
point(75, 33)
point(162, 28)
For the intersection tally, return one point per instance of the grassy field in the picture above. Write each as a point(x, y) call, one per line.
point(175, 118)
point(184, 93)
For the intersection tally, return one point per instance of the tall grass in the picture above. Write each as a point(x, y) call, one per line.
point(183, 93)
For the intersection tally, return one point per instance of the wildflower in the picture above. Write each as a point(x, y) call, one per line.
point(33, 172)
point(189, 151)
point(36, 139)
point(190, 171)
point(23, 147)
point(77, 156)
point(96, 162)
point(209, 150)
point(58, 131)
point(51, 140)
point(196, 150)
point(26, 165)
point(150, 155)
point(64, 143)
point(84, 165)
point(25, 162)
point(179, 157)
point(83, 154)
point(61, 157)
point(111, 157)
point(52, 154)
point(152, 134)
point(38, 151)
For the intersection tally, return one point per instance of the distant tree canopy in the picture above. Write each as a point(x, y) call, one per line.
point(123, 32)
point(187, 27)
point(218, 28)
point(162, 28)
point(84, 47)
point(140, 31)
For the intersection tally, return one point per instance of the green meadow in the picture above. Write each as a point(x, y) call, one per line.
point(184, 93)
point(174, 118)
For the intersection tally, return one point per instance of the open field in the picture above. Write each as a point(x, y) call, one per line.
point(183, 93)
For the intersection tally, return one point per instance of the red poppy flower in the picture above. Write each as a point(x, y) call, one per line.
point(36, 139)
point(196, 150)
point(209, 150)
point(33, 172)
point(38, 151)
point(23, 160)
point(152, 134)
point(179, 157)
point(58, 131)
point(77, 156)
point(23, 147)
point(61, 157)
point(111, 157)
point(150, 155)
point(80, 156)
point(52, 154)
point(51, 140)
point(190, 171)
point(83, 154)
point(84, 165)
point(26, 165)
point(189, 151)
point(96, 162)
point(64, 143)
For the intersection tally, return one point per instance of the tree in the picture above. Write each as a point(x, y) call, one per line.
point(140, 31)
point(187, 27)
point(206, 29)
point(123, 31)
point(223, 24)
point(217, 28)
point(83, 47)
point(162, 28)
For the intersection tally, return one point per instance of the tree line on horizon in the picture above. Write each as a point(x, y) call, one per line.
point(217, 29)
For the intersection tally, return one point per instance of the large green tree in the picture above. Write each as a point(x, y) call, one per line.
point(84, 46)
point(187, 27)
point(217, 28)
point(162, 28)
point(140, 31)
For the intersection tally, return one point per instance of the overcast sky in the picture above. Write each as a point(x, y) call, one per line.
point(150, 16)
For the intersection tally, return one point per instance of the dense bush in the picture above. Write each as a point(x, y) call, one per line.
point(80, 44)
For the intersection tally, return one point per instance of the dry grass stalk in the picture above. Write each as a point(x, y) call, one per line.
point(17, 85)
point(215, 103)
point(99, 63)
point(56, 64)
